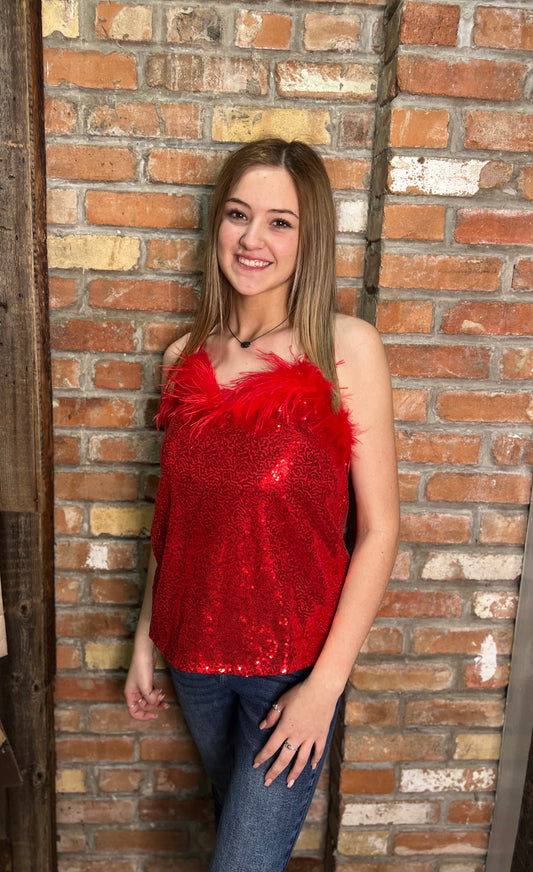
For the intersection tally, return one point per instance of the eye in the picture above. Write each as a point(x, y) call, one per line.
point(236, 214)
point(281, 222)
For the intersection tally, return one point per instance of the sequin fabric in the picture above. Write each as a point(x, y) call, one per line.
point(249, 517)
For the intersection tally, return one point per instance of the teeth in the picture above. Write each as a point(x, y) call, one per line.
point(247, 262)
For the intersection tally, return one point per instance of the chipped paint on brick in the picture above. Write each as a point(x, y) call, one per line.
point(487, 660)
point(447, 178)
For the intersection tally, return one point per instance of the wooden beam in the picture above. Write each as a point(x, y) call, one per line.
point(26, 499)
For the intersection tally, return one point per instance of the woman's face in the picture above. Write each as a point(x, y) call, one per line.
point(258, 237)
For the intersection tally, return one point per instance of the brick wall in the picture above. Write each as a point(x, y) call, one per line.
point(426, 136)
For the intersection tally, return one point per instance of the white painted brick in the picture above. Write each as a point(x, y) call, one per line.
point(490, 605)
point(351, 216)
point(387, 813)
point(447, 178)
point(439, 780)
point(478, 567)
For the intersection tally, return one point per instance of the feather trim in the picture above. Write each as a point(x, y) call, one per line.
point(288, 390)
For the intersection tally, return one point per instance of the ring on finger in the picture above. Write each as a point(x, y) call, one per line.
point(276, 707)
point(289, 747)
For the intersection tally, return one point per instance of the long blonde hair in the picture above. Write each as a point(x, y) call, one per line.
point(312, 298)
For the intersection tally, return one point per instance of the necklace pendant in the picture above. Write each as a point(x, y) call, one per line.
point(245, 344)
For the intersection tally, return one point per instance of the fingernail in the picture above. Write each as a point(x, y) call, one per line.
point(290, 783)
point(262, 725)
point(256, 765)
point(268, 782)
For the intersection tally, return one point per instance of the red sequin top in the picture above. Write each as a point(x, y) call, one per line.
point(248, 531)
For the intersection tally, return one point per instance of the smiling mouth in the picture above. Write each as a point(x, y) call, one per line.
point(257, 264)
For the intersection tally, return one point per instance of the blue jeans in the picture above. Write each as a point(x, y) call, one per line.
point(257, 826)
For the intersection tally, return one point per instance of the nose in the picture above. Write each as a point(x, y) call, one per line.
point(252, 236)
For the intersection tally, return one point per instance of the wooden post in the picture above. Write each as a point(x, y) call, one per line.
point(27, 812)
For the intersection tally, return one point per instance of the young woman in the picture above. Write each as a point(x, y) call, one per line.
point(270, 403)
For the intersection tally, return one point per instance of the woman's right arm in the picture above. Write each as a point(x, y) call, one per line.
point(142, 698)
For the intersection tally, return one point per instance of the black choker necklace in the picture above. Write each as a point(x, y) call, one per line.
point(249, 342)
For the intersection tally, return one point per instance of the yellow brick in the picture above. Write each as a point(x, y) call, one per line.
point(93, 252)
point(244, 124)
point(71, 781)
point(477, 746)
point(61, 16)
point(363, 843)
point(311, 839)
point(121, 522)
point(111, 655)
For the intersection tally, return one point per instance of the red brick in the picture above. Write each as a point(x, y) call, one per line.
point(123, 21)
point(394, 865)
point(419, 128)
point(470, 812)
point(432, 447)
point(383, 640)
point(497, 528)
point(401, 677)
point(81, 335)
point(175, 809)
point(157, 337)
point(453, 640)
point(91, 162)
point(124, 119)
point(495, 174)
point(141, 209)
point(434, 527)
point(95, 749)
point(116, 719)
point(497, 319)
point(179, 778)
point(525, 182)
point(262, 30)
point(367, 781)
point(481, 406)
point(326, 81)
point(408, 483)
point(346, 174)
point(66, 449)
point(184, 167)
point(118, 375)
point(377, 714)
point(500, 227)
point(438, 361)
point(188, 72)
point(70, 811)
point(523, 275)
point(141, 841)
point(90, 689)
point(477, 79)
point(120, 780)
point(68, 519)
point(350, 260)
point(504, 28)
point(411, 221)
point(410, 405)
point(429, 24)
point(181, 120)
point(475, 676)
point(60, 116)
point(478, 488)
point(95, 486)
point(61, 206)
point(499, 131)
point(357, 128)
point(164, 748)
point(89, 624)
point(62, 292)
point(194, 24)
point(115, 590)
point(420, 604)
point(440, 272)
point(66, 590)
point(517, 363)
point(65, 372)
point(404, 316)
point(92, 412)
point(133, 447)
point(175, 254)
point(385, 747)
point(90, 69)
point(68, 657)
point(513, 450)
point(347, 300)
point(435, 842)
point(323, 32)
point(138, 294)
point(455, 712)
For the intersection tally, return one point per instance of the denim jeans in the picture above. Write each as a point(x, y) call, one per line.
point(257, 826)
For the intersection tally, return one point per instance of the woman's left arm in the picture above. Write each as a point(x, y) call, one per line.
point(304, 713)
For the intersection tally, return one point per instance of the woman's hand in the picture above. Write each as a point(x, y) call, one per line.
point(143, 699)
point(301, 719)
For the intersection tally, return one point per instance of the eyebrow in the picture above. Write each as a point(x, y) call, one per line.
point(276, 211)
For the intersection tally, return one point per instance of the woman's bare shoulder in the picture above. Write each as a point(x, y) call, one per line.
point(175, 350)
point(355, 337)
